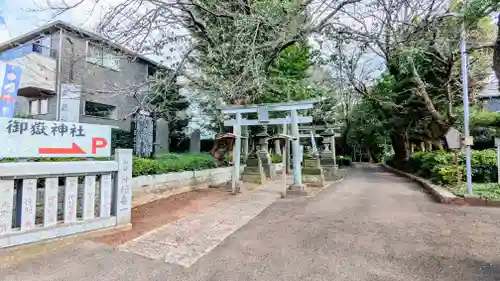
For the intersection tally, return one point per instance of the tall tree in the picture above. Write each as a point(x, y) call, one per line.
point(420, 47)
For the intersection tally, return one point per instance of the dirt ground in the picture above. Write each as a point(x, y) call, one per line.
point(163, 211)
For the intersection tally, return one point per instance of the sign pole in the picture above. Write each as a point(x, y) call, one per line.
point(284, 160)
point(497, 144)
point(297, 173)
point(236, 154)
point(457, 166)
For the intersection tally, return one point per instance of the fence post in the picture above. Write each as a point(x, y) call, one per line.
point(122, 203)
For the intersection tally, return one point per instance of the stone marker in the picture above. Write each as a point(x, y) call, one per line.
point(312, 172)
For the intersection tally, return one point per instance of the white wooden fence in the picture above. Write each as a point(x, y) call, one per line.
point(34, 207)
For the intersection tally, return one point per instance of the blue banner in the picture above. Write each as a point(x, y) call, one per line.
point(8, 92)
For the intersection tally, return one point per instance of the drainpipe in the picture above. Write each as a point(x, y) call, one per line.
point(72, 59)
point(58, 75)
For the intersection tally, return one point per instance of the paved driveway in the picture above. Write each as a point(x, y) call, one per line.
point(371, 226)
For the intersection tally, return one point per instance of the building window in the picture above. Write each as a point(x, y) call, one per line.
point(40, 106)
point(100, 110)
point(98, 55)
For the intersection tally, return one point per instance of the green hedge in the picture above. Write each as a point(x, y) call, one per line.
point(53, 159)
point(343, 160)
point(170, 163)
point(440, 167)
point(166, 163)
point(275, 158)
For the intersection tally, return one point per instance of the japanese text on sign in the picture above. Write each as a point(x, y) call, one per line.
point(23, 138)
point(44, 128)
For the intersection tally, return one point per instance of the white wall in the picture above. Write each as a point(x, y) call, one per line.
point(38, 71)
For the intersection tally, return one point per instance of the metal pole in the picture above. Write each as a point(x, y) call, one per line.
point(236, 153)
point(297, 173)
point(498, 159)
point(58, 76)
point(284, 161)
point(465, 85)
point(334, 152)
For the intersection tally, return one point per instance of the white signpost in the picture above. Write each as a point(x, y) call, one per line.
point(454, 140)
point(25, 138)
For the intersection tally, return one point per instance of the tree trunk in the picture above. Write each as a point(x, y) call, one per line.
point(496, 53)
point(399, 139)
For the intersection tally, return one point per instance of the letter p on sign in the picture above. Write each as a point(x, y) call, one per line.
point(98, 143)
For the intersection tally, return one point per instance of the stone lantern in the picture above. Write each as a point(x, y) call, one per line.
point(328, 161)
point(327, 140)
point(263, 153)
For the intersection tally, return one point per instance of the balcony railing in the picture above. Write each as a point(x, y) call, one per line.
point(27, 49)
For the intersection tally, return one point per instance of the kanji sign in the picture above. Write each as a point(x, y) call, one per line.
point(24, 138)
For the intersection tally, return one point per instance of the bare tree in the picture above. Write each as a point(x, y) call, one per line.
point(229, 44)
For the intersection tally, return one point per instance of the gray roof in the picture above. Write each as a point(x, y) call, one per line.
point(56, 25)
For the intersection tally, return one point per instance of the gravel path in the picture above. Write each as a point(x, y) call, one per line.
point(371, 226)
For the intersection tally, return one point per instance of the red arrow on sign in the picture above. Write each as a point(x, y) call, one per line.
point(74, 149)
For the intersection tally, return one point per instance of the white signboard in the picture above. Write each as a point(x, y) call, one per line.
point(25, 138)
point(453, 138)
point(70, 102)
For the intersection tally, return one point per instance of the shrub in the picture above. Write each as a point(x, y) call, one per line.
point(171, 162)
point(343, 160)
point(440, 166)
point(121, 139)
point(165, 163)
point(275, 158)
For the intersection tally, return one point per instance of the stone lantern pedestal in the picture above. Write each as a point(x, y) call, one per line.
point(312, 172)
point(328, 162)
point(253, 172)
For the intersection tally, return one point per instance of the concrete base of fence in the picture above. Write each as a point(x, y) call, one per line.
point(147, 188)
point(44, 233)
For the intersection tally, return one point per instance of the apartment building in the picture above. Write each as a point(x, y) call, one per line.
point(75, 75)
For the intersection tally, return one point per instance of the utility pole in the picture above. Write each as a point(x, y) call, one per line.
point(467, 139)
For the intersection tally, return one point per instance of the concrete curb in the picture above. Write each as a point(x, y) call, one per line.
point(312, 195)
point(440, 194)
point(444, 196)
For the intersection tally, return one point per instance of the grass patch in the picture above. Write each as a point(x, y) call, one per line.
point(483, 190)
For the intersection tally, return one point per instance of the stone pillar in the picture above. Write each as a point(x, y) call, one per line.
point(245, 143)
point(162, 136)
point(277, 146)
point(297, 187)
point(195, 142)
point(122, 202)
point(422, 146)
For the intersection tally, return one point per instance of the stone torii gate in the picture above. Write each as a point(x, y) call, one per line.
point(263, 111)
